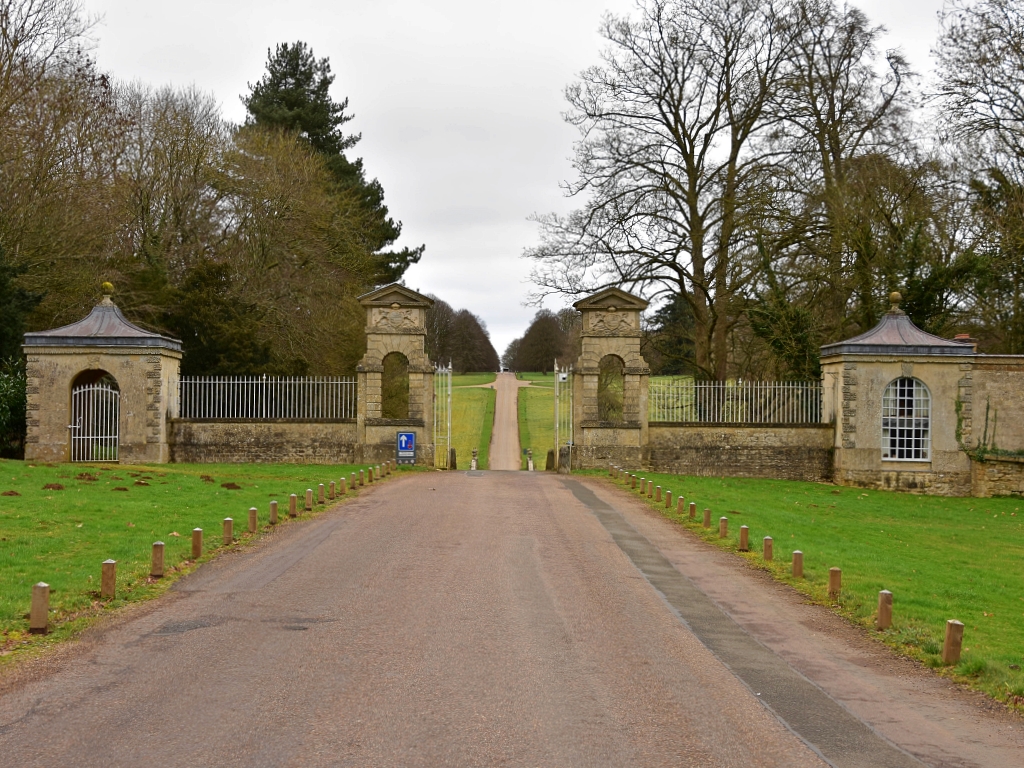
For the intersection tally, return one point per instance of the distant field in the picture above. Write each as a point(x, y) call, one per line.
point(537, 419)
point(942, 558)
point(472, 379)
point(472, 418)
point(62, 536)
point(538, 379)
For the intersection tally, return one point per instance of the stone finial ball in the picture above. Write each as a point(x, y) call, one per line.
point(895, 297)
point(107, 288)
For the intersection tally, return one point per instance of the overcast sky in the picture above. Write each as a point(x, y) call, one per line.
point(459, 103)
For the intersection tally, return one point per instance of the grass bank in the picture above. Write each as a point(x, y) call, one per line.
point(942, 558)
point(536, 413)
point(472, 417)
point(58, 523)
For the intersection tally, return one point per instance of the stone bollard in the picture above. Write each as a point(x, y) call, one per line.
point(657, 493)
point(273, 512)
point(744, 539)
point(309, 499)
point(633, 485)
point(320, 494)
point(39, 614)
point(643, 485)
point(293, 505)
point(768, 547)
point(650, 489)
point(156, 566)
point(953, 642)
point(330, 492)
point(342, 489)
point(681, 506)
point(229, 531)
point(798, 564)
point(472, 463)
point(884, 619)
point(108, 578)
point(668, 499)
point(197, 543)
point(611, 470)
point(723, 527)
point(362, 479)
point(693, 510)
point(353, 481)
point(369, 475)
point(390, 466)
point(253, 519)
point(835, 583)
point(707, 518)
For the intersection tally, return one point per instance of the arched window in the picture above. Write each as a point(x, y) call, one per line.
point(610, 385)
point(394, 387)
point(906, 421)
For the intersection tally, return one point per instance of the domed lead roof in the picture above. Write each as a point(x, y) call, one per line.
point(895, 334)
point(105, 326)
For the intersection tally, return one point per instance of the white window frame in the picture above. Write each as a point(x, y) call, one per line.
point(906, 421)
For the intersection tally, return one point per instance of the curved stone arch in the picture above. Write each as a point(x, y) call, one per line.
point(611, 387)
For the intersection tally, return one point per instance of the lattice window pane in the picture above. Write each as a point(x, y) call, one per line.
point(906, 421)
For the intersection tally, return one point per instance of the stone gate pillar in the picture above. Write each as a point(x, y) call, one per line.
point(606, 430)
point(395, 325)
point(102, 347)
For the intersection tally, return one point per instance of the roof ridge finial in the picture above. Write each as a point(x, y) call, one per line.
point(894, 303)
point(108, 291)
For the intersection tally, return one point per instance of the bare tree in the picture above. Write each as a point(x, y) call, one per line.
point(669, 123)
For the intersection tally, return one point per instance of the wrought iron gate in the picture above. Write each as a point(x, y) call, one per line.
point(442, 415)
point(563, 412)
point(95, 418)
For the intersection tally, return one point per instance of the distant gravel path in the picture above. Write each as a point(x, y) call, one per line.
point(473, 619)
point(506, 452)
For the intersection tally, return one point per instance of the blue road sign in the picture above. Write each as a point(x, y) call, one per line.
point(405, 444)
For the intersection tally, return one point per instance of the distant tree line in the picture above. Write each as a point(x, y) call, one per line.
point(249, 242)
point(550, 337)
point(767, 176)
point(459, 338)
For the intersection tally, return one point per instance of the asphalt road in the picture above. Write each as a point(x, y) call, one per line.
point(463, 619)
point(489, 619)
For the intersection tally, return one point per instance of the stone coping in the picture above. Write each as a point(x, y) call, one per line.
point(261, 421)
point(741, 425)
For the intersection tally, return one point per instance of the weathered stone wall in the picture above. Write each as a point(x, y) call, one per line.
point(995, 401)
point(292, 442)
point(144, 377)
point(998, 476)
point(718, 450)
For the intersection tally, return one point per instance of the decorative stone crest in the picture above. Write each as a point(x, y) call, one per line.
point(394, 319)
point(611, 321)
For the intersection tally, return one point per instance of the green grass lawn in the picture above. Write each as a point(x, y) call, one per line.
point(538, 379)
point(472, 379)
point(942, 558)
point(62, 536)
point(472, 418)
point(537, 421)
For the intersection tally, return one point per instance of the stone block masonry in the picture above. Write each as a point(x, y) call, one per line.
point(237, 442)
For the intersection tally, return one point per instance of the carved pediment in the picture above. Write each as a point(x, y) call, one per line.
point(612, 321)
point(394, 319)
point(611, 298)
point(393, 294)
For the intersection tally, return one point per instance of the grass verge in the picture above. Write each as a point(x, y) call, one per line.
point(536, 412)
point(472, 418)
point(58, 523)
point(942, 558)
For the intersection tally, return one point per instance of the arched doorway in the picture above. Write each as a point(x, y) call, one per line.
point(95, 417)
point(611, 388)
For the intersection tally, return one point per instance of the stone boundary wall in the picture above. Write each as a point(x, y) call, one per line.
point(791, 452)
point(998, 476)
point(289, 442)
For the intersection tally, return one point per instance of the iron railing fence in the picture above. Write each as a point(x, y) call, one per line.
point(735, 402)
point(265, 398)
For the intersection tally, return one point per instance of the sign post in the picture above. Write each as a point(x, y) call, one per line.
point(405, 448)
